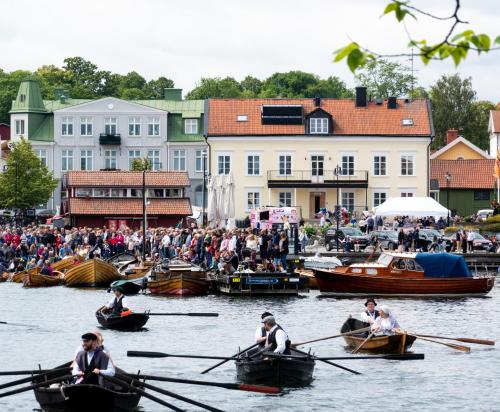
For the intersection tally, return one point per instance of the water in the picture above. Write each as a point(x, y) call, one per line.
point(445, 380)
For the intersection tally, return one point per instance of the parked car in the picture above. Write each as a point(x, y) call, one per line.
point(354, 234)
point(426, 237)
point(479, 242)
point(388, 239)
point(484, 214)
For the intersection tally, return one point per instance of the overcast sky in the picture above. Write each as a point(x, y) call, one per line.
point(189, 39)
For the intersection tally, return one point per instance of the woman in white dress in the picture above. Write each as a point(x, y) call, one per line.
point(386, 323)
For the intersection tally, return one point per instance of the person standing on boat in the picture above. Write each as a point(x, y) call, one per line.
point(261, 332)
point(370, 315)
point(277, 339)
point(118, 304)
point(386, 323)
point(92, 363)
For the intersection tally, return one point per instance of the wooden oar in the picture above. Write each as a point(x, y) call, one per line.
point(36, 385)
point(396, 356)
point(466, 340)
point(353, 332)
point(331, 363)
point(15, 324)
point(450, 345)
point(363, 343)
point(28, 379)
point(208, 314)
point(226, 360)
point(33, 372)
point(145, 354)
point(232, 386)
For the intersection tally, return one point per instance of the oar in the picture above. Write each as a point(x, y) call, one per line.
point(450, 345)
point(125, 385)
point(232, 386)
point(363, 343)
point(208, 314)
point(145, 354)
point(28, 379)
point(135, 383)
point(36, 385)
point(226, 360)
point(15, 324)
point(353, 332)
point(33, 372)
point(397, 356)
point(330, 363)
point(466, 340)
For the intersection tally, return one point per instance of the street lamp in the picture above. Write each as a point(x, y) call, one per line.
point(203, 190)
point(447, 176)
point(337, 171)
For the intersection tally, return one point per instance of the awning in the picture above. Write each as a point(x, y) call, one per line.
point(410, 206)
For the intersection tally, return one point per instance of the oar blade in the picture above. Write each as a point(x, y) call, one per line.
point(143, 354)
point(405, 356)
point(477, 341)
point(259, 388)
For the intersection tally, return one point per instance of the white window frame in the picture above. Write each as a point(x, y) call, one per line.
point(253, 171)
point(86, 126)
point(379, 155)
point(42, 155)
point(190, 126)
point(379, 192)
point(84, 155)
point(109, 123)
point(285, 162)
point(153, 157)
point(200, 163)
point(178, 158)
point(414, 169)
point(253, 192)
point(68, 155)
point(110, 157)
point(341, 163)
point(317, 159)
point(349, 196)
point(154, 128)
point(405, 191)
point(67, 126)
point(134, 126)
point(133, 157)
point(435, 193)
point(224, 171)
point(318, 125)
point(284, 202)
point(20, 127)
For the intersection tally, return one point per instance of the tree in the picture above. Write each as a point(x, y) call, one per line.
point(132, 80)
point(50, 78)
point(289, 84)
point(215, 87)
point(385, 79)
point(251, 86)
point(155, 89)
point(332, 87)
point(141, 164)
point(26, 182)
point(9, 85)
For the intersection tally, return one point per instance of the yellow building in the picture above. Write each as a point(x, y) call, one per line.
point(285, 152)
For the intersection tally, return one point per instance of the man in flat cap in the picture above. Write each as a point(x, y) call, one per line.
point(261, 332)
point(277, 339)
point(118, 304)
point(370, 315)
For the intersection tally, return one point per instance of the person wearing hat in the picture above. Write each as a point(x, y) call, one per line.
point(370, 314)
point(261, 332)
point(92, 363)
point(386, 323)
point(277, 339)
point(118, 304)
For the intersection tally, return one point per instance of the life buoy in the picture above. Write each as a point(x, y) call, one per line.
point(126, 313)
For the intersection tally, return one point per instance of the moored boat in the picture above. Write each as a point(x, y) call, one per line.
point(18, 277)
point(131, 287)
point(280, 371)
point(91, 273)
point(179, 278)
point(39, 280)
point(377, 344)
point(4, 276)
point(405, 274)
point(131, 322)
point(65, 264)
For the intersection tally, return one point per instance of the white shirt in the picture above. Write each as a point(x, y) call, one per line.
point(258, 334)
point(111, 303)
point(470, 237)
point(281, 338)
point(386, 325)
point(368, 318)
point(110, 371)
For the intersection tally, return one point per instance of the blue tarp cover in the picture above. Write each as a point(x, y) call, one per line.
point(443, 265)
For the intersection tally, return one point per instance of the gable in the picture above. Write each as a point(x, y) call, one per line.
point(110, 105)
point(460, 148)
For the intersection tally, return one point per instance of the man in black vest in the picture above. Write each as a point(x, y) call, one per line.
point(92, 363)
point(277, 339)
point(118, 304)
point(261, 332)
point(370, 314)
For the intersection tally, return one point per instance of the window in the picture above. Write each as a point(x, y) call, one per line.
point(110, 125)
point(224, 164)
point(134, 126)
point(407, 165)
point(135, 193)
point(318, 125)
point(101, 192)
point(154, 159)
point(379, 165)
point(285, 165)
point(348, 165)
point(201, 160)
point(191, 126)
point(110, 159)
point(379, 198)
point(348, 200)
point(86, 160)
point(179, 160)
point(253, 200)
point(285, 199)
point(67, 126)
point(481, 195)
point(253, 165)
point(66, 160)
point(406, 194)
point(153, 126)
point(42, 155)
point(118, 192)
point(22, 98)
point(133, 155)
point(317, 163)
point(83, 192)
point(156, 193)
point(86, 126)
point(19, 127)
point(435, 195)
point(173, 192)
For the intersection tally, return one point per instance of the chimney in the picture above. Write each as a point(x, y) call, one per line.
point(172, 94)
point(360, 96)
point(392, 103)
point(317, 101)
point(60, 94)
point(451, 135)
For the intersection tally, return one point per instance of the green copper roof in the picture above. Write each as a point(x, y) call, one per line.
point(45, 131)
point(53, 105)
point(29, 98)
point(187, 108)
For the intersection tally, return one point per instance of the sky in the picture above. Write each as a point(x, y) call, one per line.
point(188, 39)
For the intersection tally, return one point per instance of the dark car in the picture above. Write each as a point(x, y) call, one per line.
point(354, 234)
point(387, 239)
point(426, 237)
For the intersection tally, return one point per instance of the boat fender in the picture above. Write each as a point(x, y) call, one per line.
point(61, 388)
point(126, 313)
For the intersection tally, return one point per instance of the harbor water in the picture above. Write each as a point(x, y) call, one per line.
point(446, 380)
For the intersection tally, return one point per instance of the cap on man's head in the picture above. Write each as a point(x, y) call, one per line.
point(89, 336)
point(269, 319)
point(118, 289)
point(265, 315)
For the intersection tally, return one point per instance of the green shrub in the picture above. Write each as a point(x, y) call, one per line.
point(310, 230)
point(492, 227)
point(325, 228)
point(493, 219)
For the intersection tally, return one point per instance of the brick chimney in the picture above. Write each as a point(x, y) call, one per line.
point(451, 135)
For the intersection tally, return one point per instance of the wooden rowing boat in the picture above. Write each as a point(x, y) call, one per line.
point(4, 277)
point(279, 371)
point(38, 280)
point(66, 263)
point(135, 270)
point(132, 322)
point(309, 275)
point(91, 273)
point(377, 344)
point(18, 277)
point(180, 279)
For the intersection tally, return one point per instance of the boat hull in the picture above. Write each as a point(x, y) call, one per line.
point(91, 273)
point(181, 284)
point(131, 323)
point(65, 264)
point(336, 283)
point(37, 280)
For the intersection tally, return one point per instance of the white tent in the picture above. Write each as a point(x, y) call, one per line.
point(410, 206)
point(212, 201)
point(229, 197)
point(221, 196)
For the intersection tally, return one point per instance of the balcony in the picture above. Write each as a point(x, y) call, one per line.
point(324, 179)
point(110, 139)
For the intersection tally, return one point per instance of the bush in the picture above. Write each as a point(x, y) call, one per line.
point(492, 227)
point(324, 229)
point(310, 230)
point(493, 219)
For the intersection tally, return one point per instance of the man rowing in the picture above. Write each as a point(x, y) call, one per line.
point(261, 332)
point(118, 304)
point(386, 323)
point(92, 363)
point(370, 314)
point(277, 339)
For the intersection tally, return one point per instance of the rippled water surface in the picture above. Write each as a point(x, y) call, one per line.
point(445, 380)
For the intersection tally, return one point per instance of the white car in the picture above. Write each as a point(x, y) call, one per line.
point(484, 214)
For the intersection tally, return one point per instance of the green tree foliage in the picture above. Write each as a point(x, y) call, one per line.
point(454, 106)
point(26, 182)
point(9, 85)
point(155, 89)
point(383, 78)
point(207, 87)
point(139, 165)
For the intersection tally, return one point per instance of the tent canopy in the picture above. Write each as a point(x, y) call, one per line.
point(411, 206)
point(443, 265)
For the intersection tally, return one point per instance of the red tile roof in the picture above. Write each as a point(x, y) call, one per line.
point(495, 114)
point(465, 174)
point(127, 207)
point(348, 119)
point(96, 178)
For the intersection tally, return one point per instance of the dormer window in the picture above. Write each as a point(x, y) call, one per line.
point(318, 125)
point(22, 98)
